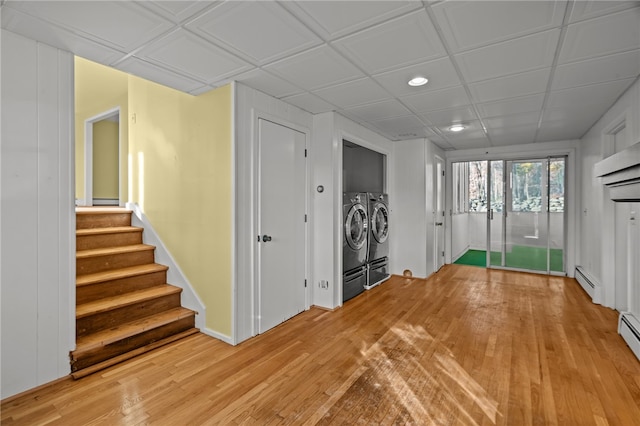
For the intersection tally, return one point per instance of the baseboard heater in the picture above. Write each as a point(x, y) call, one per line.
point(585, 281)
point(629, 329)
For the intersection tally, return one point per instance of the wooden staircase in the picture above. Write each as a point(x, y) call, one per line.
point(124, 306)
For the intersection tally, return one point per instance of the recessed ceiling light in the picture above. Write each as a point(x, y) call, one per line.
point(456, 128)
point(418, 81)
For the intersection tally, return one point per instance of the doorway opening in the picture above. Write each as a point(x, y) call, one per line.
point(102, 160)
point(510, 214)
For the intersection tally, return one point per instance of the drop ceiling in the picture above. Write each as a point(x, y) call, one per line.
point(513, 72)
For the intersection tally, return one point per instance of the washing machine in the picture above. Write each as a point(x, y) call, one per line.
point(378, 253)
point(355, 244)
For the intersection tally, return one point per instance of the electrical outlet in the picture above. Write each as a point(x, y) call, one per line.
point(323, 284)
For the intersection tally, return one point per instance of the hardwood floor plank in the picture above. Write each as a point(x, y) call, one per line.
point(467, 346)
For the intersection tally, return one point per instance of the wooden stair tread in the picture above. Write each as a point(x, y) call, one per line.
point(83, 254)
point(109, 230)
point(128, 355)
point(129, 329)
point(101, 210)
point(115, 302)
point(116, 274)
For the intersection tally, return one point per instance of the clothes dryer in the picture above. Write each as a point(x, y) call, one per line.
point(378, 207)
point(378, 253)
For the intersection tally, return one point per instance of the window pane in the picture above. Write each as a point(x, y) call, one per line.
point(526, 187)
point(478, 186)
point(556, 186)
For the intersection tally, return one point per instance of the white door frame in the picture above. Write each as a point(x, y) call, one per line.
point(88, 154)
point(438, 217)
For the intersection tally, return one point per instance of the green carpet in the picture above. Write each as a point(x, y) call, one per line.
point(521, 257)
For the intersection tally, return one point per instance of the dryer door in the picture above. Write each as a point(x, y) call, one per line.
point(380, 222)
point(356, 227)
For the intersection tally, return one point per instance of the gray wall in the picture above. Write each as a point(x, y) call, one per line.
point(362, 169)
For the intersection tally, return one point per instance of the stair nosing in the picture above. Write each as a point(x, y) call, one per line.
point(107, 251)
point(123, 300)
point(82, 232)
point(180, 313)
point(117, 274)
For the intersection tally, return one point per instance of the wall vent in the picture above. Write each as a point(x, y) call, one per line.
point(585, 280)
point(629, 329)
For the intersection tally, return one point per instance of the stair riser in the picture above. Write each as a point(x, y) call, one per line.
point(104, 320)
point(113, 261)
point(102, 220)
point(88, 242)
point(89, 293)
point(103, 353)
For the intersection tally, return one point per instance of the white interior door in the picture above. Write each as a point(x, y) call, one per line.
point(439, 215)
point(281, 224)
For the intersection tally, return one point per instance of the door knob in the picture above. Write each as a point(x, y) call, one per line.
point(438, 223)
point(266, 238)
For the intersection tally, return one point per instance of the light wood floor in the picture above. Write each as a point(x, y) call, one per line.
point(468, 346)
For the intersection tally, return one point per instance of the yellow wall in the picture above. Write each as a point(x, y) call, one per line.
point(98, 89)
point(105, 159)
point(180, 148)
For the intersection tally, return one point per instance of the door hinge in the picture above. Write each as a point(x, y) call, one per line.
point(305, 218)
point(305, 153)
point(442, 172)
point(442, 254)
point(305, 283)
point(442, 213)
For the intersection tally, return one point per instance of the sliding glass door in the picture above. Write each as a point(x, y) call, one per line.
point(525, 214)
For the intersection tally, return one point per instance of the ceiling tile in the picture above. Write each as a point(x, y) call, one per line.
point(587, 9)
point(510, 57)
point(452, 115)
point(511, 106)
point(603, 95)
point(36, 29)
point(406, 127)
point(309, 102)
point(605, 68)
point(267, 83)
point(316, 68)
point(441, 74)
point(513, 135)
point(176, 11)
point(353, 93)
point(512, 120)
point(190, 55)
point(560, 132)
point(379, 110)
point(117, 24)
point(338, 18)
point(500, 20)
point(477, 140)
point(439, 99)
point(602, 36)
point(526, 83)
point(260, 32)
point(151, 72)
point(397, 43)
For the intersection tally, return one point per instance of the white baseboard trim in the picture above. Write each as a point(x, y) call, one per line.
point(175, 276)
point(459, 255)
point(589, 284)
point(216, 335)
point(629, 329)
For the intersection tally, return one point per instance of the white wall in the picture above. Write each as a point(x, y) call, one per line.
point(329, 130)
point(596, 224)
point(250, 105)
point(460, 239)
point(37, 220)
point(413, 208)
